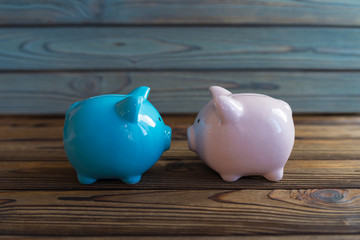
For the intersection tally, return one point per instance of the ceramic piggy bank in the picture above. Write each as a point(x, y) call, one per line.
point(114, 136)
point(243, 134)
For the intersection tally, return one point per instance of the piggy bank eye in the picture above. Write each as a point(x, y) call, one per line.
point(160, 119)
point(198, 120)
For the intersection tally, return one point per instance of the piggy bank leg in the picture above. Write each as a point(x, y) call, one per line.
point(230, 177)
point(275, 175)
point(85, 180)
point(132, 180)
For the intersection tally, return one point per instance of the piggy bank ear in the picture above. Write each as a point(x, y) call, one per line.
point(128, 108)
point(228, 109)
point(217, 91)
point(142, 91)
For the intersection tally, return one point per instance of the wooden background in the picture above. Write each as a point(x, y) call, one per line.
point(56, 52)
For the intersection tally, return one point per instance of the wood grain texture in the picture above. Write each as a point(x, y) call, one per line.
point(326, 154)
point(43, 149)
point(179, 175)
point(242, 237)
point(178, 92)
point(201, 212)
point(180, 196)
point(115, 48)
point(325, 137)
point(49, 12)
point(317, 137)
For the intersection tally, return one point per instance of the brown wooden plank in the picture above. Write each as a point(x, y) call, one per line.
point(51, 129)
point(52, 150)
point(181, 174)
point(32, 151)
point(48, 150)
point(178, 121)
point(180, 48)
point(40, 138)
point(242, 237)
point(176, 92)
point(200, 212)
point(180, 196)
point(304, 149)
point(291, 12)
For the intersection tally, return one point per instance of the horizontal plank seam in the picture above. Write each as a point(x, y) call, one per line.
point(192, 236)
point(195, 25)
point(109, 190)
point(191, 115)
point(184, 236)
point(187, 70)
point(195, 159)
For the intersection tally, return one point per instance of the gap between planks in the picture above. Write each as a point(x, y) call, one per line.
point(196, 237)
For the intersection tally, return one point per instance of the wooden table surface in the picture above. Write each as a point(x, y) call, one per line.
point(318, 198)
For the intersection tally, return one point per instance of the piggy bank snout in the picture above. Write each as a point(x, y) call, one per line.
point(191, 138)
point(167, 137)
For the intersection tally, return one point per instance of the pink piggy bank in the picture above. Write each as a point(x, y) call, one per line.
point(243, 134)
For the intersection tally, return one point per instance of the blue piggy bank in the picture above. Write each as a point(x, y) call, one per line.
point(114, 136)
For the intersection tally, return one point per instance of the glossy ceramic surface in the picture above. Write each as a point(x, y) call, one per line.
point(115, 136)
point(243, 134)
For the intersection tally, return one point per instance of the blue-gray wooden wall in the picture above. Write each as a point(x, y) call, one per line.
point(56, 52)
